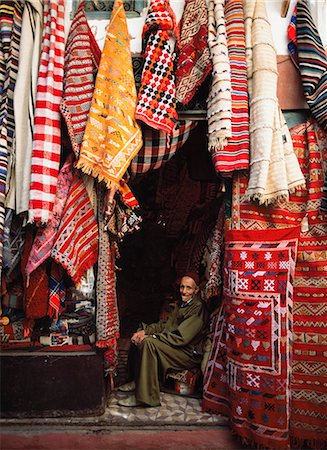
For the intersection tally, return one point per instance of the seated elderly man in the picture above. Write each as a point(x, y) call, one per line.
point(174, 343)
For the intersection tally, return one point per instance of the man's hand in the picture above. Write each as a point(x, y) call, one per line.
point(138, 337)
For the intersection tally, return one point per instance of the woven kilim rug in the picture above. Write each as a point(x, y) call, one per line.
point(309, 363)
point(248, 373)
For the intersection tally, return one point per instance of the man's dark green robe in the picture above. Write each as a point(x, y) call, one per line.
point(175, 343)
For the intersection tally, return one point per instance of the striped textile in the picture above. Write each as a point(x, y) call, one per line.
point(219, 99)
point(193, 61)
point(236, 154)
point(45, 236)
point(112, 136)
point(82, 58)
point(274, 168)
point(292, 45)
point(11, 13)
point(312, 62)
point(107, 314)
point(159, 147)
point(308, 53)
point(76, 244)
point(47, 136)
point(156, 104)
point(24, 103)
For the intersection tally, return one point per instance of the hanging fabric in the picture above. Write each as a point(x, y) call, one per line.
point(79, 78)
point(45, 236)
point(248, 374)
point(159, 147)
point(24, 104)
point(235, 154)
point(11, 14)
point(76, 243)
point(215, 249)
point(112, 136)
point(309, 55)
point(309, 286)
point(46, 134)
point(193, 61)
point(219, 99)
point(36, 286)
point(156, 104)
point(107, 316)
point(274, 168)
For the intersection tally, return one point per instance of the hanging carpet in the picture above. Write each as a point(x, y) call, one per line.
point(76, 243)
point(10, 31)
point(274, 169)
point(248, 373)
point(235, 154)
point(47, 128)
point(46, 236)
point(107, 316)
point(24, 103)
point(156, 105)
point(112, 136)
point(159, 147)
point(309, 365)
point(82, 58)
point(309, 55)
point(219, 99)
point(193, 61)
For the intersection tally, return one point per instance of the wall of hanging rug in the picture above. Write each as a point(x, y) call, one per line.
point(96, 146)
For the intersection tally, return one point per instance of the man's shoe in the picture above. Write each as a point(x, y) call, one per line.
point(130, 401)
point(128, 387)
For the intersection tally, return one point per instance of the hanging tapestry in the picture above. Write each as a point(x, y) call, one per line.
point(219, 99)
point(274, 169)
point(159, 147)
point(24, 103)
point(10, 31)
point(248, 374)
point(309, 366)
point(107, 316)
point(235, 154)
point(45, 236)
point(156, 104)
point(46, 134)
point(193, 61)
point(309, 54)
point(79, 77)
point(76, 243)
point(112, 136)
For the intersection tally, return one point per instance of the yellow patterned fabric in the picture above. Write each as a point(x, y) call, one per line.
point(112, 136)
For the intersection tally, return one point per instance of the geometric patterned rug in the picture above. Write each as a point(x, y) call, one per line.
point(308, 418)
point(248, 374)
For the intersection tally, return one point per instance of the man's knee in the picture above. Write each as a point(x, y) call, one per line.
point(148, 343)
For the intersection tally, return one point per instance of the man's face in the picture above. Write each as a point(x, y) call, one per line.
point(187, 288)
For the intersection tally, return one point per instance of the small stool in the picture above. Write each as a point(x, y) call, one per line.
point(185, 381)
